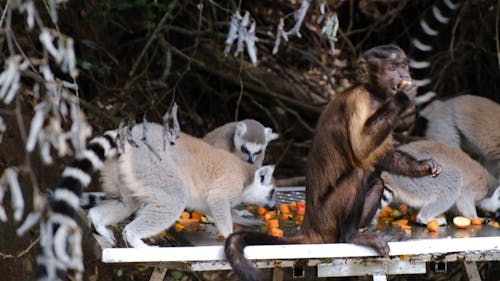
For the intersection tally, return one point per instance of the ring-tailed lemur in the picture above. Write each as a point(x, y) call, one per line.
point(471, 123)
point(155, 184)
point(462, 185)
point(247, 139)
point(423, 36)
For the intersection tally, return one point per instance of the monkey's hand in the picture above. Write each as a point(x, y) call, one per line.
point(432, 166)
point(408, 88)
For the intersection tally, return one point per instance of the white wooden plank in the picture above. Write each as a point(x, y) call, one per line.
point(304, 251)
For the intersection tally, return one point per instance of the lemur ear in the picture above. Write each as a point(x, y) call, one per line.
point(265, 174)
point(270, 135)
point(362, 71)
point(241, 129)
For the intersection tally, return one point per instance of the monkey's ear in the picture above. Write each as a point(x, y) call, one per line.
point(265, 174)
point(241, 129)
point(270, 135)
point(362, 71)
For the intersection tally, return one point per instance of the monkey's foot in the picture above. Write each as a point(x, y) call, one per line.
point(370, 239)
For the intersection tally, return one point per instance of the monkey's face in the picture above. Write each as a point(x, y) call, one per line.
point(394, 70)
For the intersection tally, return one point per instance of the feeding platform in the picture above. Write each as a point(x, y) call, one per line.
point(410, 252)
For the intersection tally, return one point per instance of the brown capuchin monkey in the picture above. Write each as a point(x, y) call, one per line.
point(352, 144)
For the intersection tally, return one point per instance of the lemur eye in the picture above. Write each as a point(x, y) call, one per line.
point(244, 149)
point(258, 152)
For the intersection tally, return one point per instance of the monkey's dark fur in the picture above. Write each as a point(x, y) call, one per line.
point(352, 143)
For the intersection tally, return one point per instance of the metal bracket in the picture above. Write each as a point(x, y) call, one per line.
point(440, 266)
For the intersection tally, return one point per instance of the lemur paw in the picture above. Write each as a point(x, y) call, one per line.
point(106, 233)
point(243, 213)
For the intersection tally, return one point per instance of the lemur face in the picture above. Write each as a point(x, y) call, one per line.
point(261, 191)
point(250, 152)
point(250, 141)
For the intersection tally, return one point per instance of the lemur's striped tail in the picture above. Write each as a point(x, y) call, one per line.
point(422, 45)
point(60, 235)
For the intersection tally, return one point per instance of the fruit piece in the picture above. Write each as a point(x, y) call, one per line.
point(494, 224)
point(196, 215)
point(276, 232)
point(300, 208)
point(284, 208)
point(403, 208)
point(286, 216)
point(476, 221)
point(403, 83)
point(179, 227)
point(384, 214)
point(190, 224)
point(273, 223)
point(433, 226)
point(388, 209)
point(396, 214)
point(261, 211)
point(461, 222)
point(400, 222)
point(405, 227)
point(264, 228)
point(250, 208)
point(267, 216)
point(185, 215)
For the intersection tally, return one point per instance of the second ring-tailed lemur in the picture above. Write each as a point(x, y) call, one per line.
point(462, 185)
point(247, 139)
point(469, 122)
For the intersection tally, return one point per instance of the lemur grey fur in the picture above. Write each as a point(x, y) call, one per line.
point(462, 185)
point(469, 122)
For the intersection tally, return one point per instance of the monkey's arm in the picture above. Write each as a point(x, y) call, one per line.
point(402, 163)
point(368, 132)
